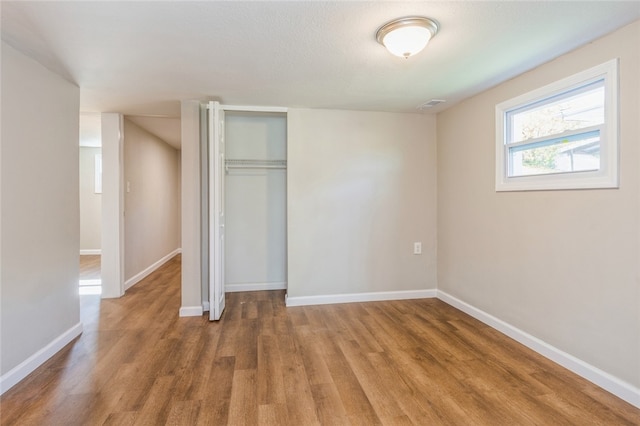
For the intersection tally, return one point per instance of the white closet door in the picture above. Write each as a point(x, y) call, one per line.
point(216, 211)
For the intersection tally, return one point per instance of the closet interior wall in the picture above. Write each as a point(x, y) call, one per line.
point(255, 201)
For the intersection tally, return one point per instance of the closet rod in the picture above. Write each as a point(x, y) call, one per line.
point(255, 164)
point(249, 166)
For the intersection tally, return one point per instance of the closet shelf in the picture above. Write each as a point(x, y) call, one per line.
point(255, 164)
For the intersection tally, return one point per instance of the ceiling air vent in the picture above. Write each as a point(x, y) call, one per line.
point(431, 103)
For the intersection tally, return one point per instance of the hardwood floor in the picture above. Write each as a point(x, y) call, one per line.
point(90, 267)
point(417, 362)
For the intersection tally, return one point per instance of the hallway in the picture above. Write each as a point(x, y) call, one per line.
point(90, 281)
point(90, 267)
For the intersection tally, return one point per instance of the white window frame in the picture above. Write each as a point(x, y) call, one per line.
point(605, 177)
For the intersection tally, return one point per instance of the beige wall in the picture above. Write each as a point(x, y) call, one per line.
point(560, 265)
point(152, 199)
point(40, 209)
point(361, 190)
point(90, 202)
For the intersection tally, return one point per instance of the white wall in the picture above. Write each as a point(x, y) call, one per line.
point(40, 212)
point(361, 191)
point(152, 200)
point(563, 266)
point(90, 202)
point(255, 203)
point(112, 238)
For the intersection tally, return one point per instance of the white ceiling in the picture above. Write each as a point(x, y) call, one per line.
point(143, 58)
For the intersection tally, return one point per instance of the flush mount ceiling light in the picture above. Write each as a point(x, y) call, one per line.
point(405, 37)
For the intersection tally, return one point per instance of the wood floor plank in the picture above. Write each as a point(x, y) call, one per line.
point(243, 407)
point(193, 383)
point(418, 407)
point(183, 413)
point(270, 383)
point(578, 404)
point(121, 419)
point(328, 404)
point(419, 362)
point(354, 399)
point(300, 405)
point(156, 407)
point(312, 355)
point(246, 349)
point(385, 406)
point(131, 387)
point(273, 415)
point(448, 397)
point(214, 409)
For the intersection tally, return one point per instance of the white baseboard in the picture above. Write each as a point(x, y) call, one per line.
point(22, 370)
point(148, 271)
point(90, 251)
point(191, 311)
point(619, 388)
point(360, 297)
point(205, 306)
point(233, 288)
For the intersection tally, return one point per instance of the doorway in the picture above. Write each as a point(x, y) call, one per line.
point(255, 201)
point(244, 201)
point(90, 192)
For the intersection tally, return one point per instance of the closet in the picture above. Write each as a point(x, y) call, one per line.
point(255, 200)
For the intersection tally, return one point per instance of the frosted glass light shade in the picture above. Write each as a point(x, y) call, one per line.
point(407, 36)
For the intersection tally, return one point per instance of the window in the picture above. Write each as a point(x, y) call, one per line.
point(562, 136)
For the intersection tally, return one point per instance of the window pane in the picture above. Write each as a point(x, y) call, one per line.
point(575, 109)
point(577, 154)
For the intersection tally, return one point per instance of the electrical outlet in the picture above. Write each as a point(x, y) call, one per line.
point(417, 248)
